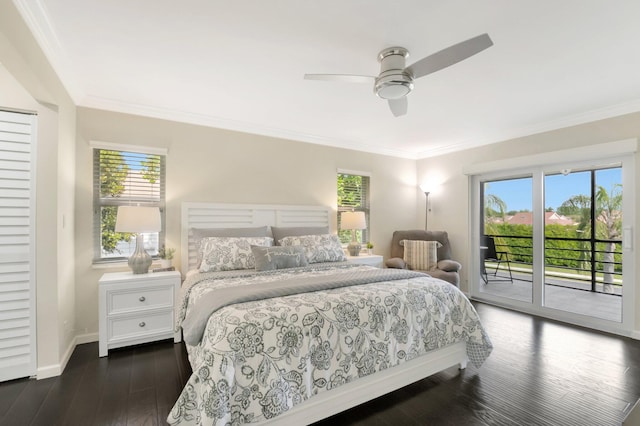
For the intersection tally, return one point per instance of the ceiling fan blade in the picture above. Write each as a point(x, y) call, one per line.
point(449, 56)
point(398, 106)
point(347, 78)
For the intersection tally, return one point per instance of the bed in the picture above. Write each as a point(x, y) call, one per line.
point(297, 340)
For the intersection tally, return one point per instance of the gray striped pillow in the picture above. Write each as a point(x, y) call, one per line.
point(421, 255)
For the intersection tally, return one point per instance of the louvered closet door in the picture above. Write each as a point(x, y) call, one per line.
point(17, 246)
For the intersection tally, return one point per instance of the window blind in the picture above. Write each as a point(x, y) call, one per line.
point(353, 195)
point(125, 178)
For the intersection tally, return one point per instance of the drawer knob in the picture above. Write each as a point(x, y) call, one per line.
point(142, 324)
point(142, 298)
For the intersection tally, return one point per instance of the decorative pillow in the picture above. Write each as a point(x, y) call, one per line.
point(272, 258)
point(421, 255)
point(318, 248)
point(229, 253)
point(279, 232)
point(197, 234)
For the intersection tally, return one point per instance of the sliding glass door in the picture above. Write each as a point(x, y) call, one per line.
point(506, 239)
point(583, 236)
point(553, 241)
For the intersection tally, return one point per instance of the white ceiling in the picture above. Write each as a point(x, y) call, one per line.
point(239, 65)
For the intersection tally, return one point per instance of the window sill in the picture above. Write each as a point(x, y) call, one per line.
point(110, 265)
point(119, 264)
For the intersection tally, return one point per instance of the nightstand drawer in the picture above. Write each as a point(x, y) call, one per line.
point(134, 326)
point(136, 299)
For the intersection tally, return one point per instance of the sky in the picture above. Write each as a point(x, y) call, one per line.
point(517, 193)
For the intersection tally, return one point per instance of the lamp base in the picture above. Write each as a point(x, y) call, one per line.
point(140, 261)
point(354, 248)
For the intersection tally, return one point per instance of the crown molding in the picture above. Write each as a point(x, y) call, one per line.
point(561, 123)
point(234, 125)
point(239, 126)
point(37, 19)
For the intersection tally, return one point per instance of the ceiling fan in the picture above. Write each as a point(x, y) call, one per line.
point(395, 81)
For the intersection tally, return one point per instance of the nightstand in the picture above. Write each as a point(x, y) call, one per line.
point(137, 308)
point(366, 259)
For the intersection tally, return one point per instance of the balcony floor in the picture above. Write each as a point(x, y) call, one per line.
point(561, 294)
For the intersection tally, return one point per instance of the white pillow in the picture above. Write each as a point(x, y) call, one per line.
point(230, 253)
point(421, 255)
point(318, 248)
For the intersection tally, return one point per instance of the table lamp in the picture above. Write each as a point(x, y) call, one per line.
point(353, 221)
point(136, 220)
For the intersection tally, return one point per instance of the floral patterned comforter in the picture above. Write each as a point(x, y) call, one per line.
point(258, 359)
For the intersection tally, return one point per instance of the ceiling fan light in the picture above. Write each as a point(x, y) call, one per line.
point(394, 91)
point(393, 86)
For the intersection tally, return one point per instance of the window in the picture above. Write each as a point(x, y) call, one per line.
point(353, 195)
point(125, 178)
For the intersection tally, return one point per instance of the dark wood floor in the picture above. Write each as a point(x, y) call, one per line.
point(540, 373)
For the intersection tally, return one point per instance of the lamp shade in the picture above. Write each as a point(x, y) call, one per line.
point(353, 220)
point(136, 219)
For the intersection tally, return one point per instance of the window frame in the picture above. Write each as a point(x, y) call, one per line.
point(364, 204)
point(100, 202)
point(585, 157)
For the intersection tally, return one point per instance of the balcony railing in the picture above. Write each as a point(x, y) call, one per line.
point(586, 264)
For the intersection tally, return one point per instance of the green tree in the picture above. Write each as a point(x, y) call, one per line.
point(151, 168)
point(115, 170)
point(113, 173)
point(609, 217)
point(494, 206)
point(608, 207)
point(349, 196)
point(349, 188)
point(578, 207)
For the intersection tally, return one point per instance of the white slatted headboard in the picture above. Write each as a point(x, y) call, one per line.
point(213, 215)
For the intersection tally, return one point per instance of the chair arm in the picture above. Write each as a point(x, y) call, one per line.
point(449, 265)
point(396, 262)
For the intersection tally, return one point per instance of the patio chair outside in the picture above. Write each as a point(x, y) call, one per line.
point(490, 254)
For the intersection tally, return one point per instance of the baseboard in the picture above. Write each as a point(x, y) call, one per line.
point(48, 371)
point(57, 369)
point(86, 338)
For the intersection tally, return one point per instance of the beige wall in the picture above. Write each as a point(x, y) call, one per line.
point(450, 205)
point(28, 82)
point(213, 165)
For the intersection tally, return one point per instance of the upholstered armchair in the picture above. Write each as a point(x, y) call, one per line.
point(447, 269)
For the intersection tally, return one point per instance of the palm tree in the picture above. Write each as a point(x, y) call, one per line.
point(492, 203)
point(609, 214)
point(608, 224)
point(579, 207)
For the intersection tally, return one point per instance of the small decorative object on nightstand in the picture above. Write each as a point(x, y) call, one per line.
point(166, 256)
point(369, 247)
point(366, 259)
point(137, 308)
